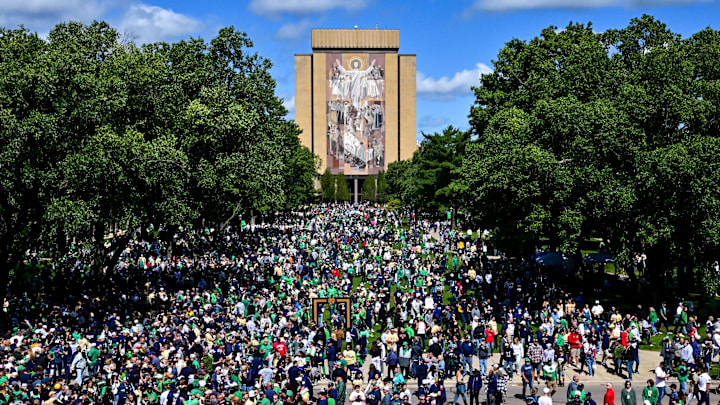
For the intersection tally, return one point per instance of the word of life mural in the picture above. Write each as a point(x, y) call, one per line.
point(356, 113)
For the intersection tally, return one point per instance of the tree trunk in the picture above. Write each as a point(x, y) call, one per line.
point(657, 263)
point(8, 261)
point(117, 248)
point(630, 270)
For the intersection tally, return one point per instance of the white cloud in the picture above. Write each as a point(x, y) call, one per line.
point(42, 15)
point(298, 7)
point(445, 88)
point(508, 5)
point(430, 121)
point(294, 30)
point(144, 22)
point(148, 23)
point(290, 106)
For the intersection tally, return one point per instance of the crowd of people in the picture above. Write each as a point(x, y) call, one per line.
point(216, 316)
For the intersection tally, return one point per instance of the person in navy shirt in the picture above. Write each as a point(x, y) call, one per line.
point(475, 385)
point(589, 400)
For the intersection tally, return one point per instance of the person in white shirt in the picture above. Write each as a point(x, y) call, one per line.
point(703, 387)
point(686, 353)
point(357, 397)
point(545, 399)
point(660, 376)
point(597, 310)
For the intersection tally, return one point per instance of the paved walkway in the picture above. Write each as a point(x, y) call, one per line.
point(596, 385)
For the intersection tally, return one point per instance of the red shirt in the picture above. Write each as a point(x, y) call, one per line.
point(489, 337)
point(574, 340)
point(624, 338)
point(280, 348)
point(609, 397)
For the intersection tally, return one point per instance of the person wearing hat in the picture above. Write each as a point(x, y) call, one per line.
point(322, 397)
point(387, 396)
point(682, 375)
point(579, 391)
point(527, 373)
point(424, 388)
point(545, 399)
point(589, 400)
point(492, 388)
point(252, 395)
point(575, 400)
point(373, 393)
point(475, 385)
point(609, 398)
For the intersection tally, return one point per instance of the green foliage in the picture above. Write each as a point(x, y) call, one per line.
point(612, 135)
point(341, 188)
point(426, 182)
point(381, 193)
point(394, 204)
point(397, 178)
point(369, 189)
point(300, 177)
point(97, 131)
point(327, 185)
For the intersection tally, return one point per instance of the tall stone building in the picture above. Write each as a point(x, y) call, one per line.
point(355, 101)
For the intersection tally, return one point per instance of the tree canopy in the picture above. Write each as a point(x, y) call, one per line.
point(426, 181)
point(98, 131)
point(611, 135)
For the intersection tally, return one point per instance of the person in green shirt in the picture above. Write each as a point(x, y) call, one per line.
point(650, 393)
point(652, 320)
point(579, 391)
point(263, 399)
point(93, 353)
point(683, 374)
point(627, 395)
point(340, 386)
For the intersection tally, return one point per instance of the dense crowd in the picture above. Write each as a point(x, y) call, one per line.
point(219, 316)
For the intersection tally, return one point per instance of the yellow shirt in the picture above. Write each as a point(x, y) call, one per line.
point(493, 325)
point(350, 357)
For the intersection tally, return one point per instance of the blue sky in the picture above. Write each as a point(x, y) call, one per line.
point(454, 40)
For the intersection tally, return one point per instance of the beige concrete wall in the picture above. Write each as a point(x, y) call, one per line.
point(303, 98)
point(391, 108)
point(408, 98)
point(320, 108)
point(355, 39)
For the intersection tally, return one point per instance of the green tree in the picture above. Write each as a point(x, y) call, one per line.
point(431, 175)
point(327, 185)
point(381, 188)
point(397, 178)
point(342, 193)
point(369, 189)
point(98, 131)
point(600, 134)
